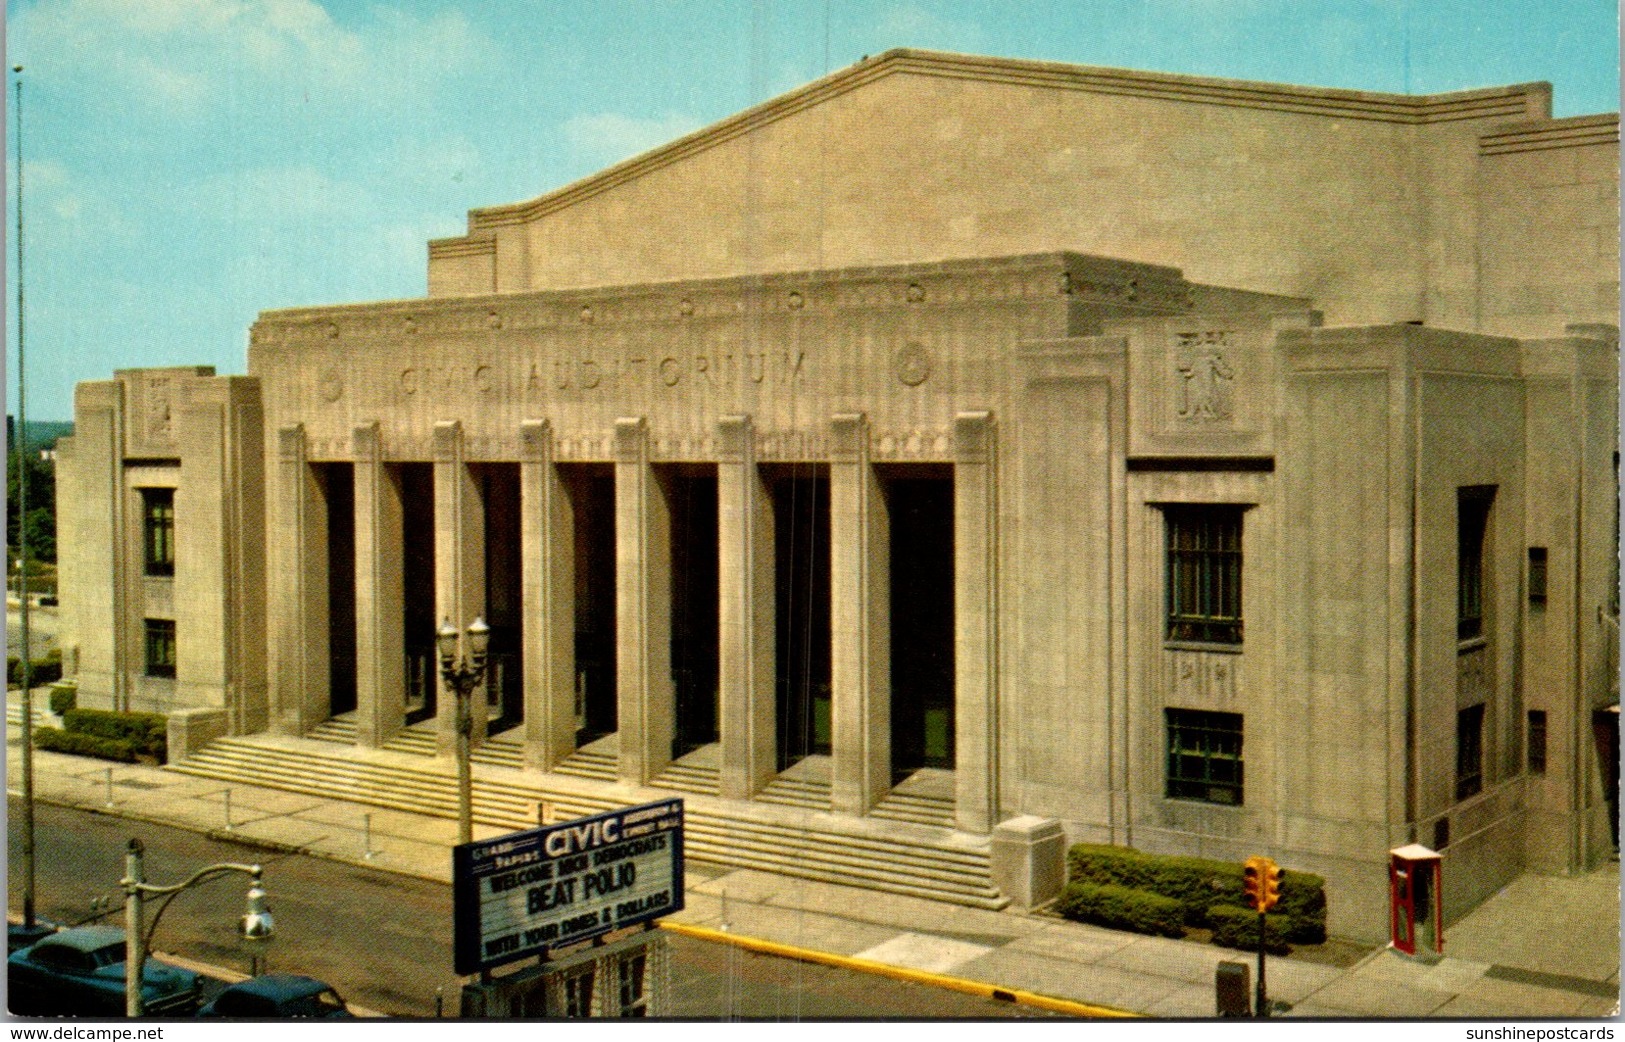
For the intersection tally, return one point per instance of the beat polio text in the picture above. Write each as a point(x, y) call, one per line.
point(584, 878)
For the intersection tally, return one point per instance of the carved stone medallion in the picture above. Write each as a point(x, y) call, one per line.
point(912, 364)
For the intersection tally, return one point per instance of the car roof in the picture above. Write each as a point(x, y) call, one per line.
point(86, 938)
point(281, 985)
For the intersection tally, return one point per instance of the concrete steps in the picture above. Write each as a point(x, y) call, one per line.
point(904, 859)
point(919, 810)
point(796, 792)
point(589, 763)
point(342, 731)
point(685, 777)
point(500, 751)
point(42, 714)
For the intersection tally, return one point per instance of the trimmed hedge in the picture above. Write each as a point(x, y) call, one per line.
point(47, 670)
point(80, 744)
point(145, 733)
point(1235, 927)
point(64, 697)
point(1198, 884)
point(1122, 908)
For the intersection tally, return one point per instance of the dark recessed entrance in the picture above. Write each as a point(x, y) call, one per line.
point(337, 481)
point(591, 487)
point(802, 609)
point(692, 498)
point(505, 678)
point(920, 500)
point(417, 558)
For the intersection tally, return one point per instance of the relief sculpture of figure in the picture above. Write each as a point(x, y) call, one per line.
point(1204, 390)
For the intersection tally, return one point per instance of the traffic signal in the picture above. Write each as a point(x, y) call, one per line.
point(1261, 880)
point(1252, 880)
point(1271, 895)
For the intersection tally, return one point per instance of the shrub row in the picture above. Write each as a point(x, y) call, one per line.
point(47, 670)
point(1122, 908)
point(1235, 927)
point(1199, 884)
point(144, 733)
point(80, 744)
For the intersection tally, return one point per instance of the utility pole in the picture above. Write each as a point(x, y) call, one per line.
point(26, 659)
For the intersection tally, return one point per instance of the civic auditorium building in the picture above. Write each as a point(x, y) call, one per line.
point(1207, 466)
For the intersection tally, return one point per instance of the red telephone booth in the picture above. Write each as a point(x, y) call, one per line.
point(1415, 897)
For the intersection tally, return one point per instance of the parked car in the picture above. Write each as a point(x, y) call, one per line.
point(19, 936)
point(80, 973)
point(277, 995)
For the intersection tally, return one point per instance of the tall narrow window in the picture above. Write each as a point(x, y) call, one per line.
point(1204, 756)
point(634, 989)
point(1470, 751)
point(578, 993)
point(1472, 522)
point(1537, 575)
point(160, 647)
point(158, 530)
point(1537, 741)
point(1204, 574)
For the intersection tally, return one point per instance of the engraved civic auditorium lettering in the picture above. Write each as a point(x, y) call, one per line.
point(617, 372)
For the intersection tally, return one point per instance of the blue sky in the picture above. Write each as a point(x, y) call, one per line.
point(189, 163)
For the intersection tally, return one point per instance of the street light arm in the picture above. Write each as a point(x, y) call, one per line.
point(149, 890)
point(171, 892)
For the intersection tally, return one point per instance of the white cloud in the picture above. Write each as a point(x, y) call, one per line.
point(187, 57)
point(609, 137)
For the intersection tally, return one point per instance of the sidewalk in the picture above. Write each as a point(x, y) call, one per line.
point(1502, 964)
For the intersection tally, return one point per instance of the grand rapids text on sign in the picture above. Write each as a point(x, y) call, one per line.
point(551, 887)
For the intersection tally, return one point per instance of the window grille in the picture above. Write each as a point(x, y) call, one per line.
point(158, 530)
point(160, 647)
point(1204, 574)
point(1204, 756)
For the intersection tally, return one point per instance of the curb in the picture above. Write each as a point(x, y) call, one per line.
point(903, 973)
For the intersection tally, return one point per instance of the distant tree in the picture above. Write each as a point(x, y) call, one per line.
point(40, 509)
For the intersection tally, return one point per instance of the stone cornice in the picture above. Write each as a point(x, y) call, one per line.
point(1058, 278)
point(1510, 102)
point(1571, 132)
point(478, 245)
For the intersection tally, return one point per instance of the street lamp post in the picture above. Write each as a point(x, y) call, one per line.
point(256, 924)
point(463, 675)
point(26, 658)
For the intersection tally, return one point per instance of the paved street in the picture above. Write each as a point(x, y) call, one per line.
point(383, 939)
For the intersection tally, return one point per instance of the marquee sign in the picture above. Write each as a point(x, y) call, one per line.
point(521, 894)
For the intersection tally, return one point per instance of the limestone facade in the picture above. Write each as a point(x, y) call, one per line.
point(1176, 459)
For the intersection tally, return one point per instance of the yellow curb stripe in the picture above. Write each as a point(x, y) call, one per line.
point(903, 973)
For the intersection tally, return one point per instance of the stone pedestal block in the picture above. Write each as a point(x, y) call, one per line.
point(192, 729)
point(1029, 859)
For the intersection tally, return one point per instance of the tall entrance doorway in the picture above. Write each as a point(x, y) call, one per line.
point(337, 481)
point(591, 487)
point(800, 494)
point(920, 502)
point(692, 499)
point(418, 595)
point(504, 678)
